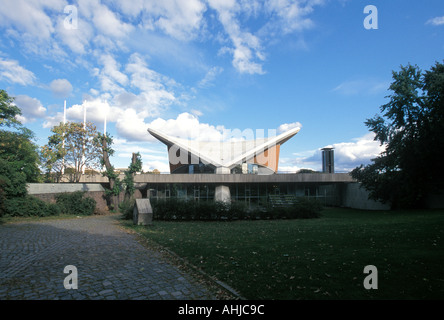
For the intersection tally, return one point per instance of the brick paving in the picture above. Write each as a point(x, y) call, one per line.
point(110, 262)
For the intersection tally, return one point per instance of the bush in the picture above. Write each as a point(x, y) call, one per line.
point(76, 203)
point(237, 211)
point(30, 206)
point(175, 209)
point(306, 208)
point(12, 182)
point(126, 208)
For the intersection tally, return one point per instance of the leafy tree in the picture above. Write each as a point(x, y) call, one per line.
point(306, 171)
point(135, 166)
point(411, 127)
point(21, 153)
point(115, 185)
point(19, 161)
point(8, 111)
point(16, 146)
point(72, 145)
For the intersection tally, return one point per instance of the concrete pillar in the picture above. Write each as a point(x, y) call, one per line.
point(222, 193)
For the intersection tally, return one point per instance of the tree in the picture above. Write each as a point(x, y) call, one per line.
point(135, 166)
point(19, 161)
point(16, 146)
point(411, 128)
point(115, 185)
point(8, 111)
point(21, 154)
point(72, 145)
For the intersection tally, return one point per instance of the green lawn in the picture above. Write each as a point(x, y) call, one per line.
point(319, 258)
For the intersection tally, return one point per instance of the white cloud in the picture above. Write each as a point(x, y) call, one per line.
point(437, 21)
point(11, 71)
point(362, 86)
point(288, 126)
point(131, 126)
point(31, 108)
point(30, 17)
point(150, 165)
point(282, 16)
point(96, 111)
point(40, 27)
point(153, 86)
point(347, 155)
point(33, 24)
point(134, 86)
point(188, 126)
point(61, 88)
point(181, 20)
point(152, 158)
point(247, 47)
point(289, 16)
point(210, 76)
point(107, 22)
point(77, 40)
point(110, 76)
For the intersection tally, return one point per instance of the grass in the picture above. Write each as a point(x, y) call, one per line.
point(317, 258)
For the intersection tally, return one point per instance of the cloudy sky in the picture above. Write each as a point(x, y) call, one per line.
point(197, 68)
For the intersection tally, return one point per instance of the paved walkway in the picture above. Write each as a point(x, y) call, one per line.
point(111, 263)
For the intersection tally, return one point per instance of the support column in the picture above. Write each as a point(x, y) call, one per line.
point(222, 193)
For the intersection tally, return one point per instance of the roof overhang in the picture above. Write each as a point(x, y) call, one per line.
point(226, 154)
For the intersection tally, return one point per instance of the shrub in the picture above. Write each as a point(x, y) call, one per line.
point(30, 206)
point(306, 208)
point(12, 182)
point(237, 211)
point(176, 209)
point(76, 203)
point(126, 208)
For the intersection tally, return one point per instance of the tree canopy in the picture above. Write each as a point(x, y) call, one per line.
point(16, 146)
point(411, 127)
point(19, 159)
point(72, 145)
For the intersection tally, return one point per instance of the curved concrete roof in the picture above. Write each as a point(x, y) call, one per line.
point(221, 153)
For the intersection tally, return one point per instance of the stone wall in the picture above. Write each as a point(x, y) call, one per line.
point(48, 192)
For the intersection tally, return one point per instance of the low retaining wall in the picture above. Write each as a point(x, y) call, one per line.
point(48, 192)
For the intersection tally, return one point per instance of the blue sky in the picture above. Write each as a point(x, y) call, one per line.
point(195, 68)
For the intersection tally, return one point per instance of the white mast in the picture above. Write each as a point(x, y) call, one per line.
point(64, 122)
point(106, 112)
point(84, 128)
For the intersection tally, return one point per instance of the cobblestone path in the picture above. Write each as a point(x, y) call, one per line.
point(111, 263)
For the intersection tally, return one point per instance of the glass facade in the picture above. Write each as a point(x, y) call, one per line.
point(251, 194)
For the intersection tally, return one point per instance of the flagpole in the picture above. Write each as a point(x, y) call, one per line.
point(106, 112)
point(64, 122)
point(84, 128)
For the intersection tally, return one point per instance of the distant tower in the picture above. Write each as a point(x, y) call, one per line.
point(328, 160)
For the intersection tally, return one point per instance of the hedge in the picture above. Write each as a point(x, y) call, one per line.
point(76, 203)
point(67, 203)
point(29, 206)
point(183, 210)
